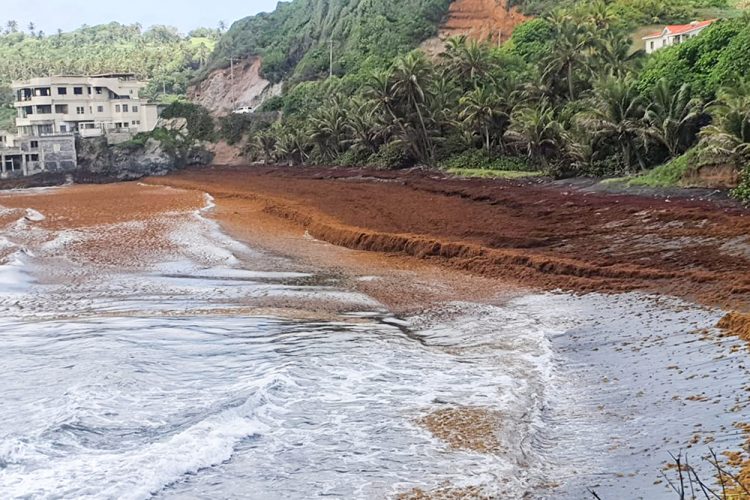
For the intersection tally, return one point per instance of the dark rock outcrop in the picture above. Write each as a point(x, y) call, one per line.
point(130, 161)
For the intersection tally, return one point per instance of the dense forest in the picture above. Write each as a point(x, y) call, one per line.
point(159, 54)
point(567, 95)
point(295, 40)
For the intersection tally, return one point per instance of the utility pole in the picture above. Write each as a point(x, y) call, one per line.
point(234, 101)
point(330, 74)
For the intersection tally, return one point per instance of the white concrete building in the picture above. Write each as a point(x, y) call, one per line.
point(674, 35)
point(22, 156)
point(87, 105)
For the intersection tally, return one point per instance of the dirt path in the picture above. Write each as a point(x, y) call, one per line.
point(536, 235)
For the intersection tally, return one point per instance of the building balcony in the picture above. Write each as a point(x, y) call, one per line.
point(34, 101)
point(90, 132)
point(36, 119)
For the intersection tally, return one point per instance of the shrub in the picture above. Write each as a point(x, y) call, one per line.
point(532, 40)
point(354, 157)
point(234, 127)
point(391, 156)
point(742, 192)
point(479, 159)
point(669, 174)
point(200, 124)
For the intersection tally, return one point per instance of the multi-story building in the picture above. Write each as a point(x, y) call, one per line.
point(86, 105)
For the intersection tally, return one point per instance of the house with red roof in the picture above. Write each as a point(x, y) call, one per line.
point(674, 35)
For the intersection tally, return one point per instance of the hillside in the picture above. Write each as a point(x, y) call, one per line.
point(294, 40)
point(295, 46)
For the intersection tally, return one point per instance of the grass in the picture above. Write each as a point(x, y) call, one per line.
point(492, 174)
point(668, 175)
point(196, 41)
point(638, 42)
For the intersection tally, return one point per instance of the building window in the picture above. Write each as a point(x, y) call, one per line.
point(98, 90)
point(45, 130)
point(653, 44)
point(34, 157)
point(78, 90)
point(44, 110)
point(43, 92)
point(34, 144)
point(62, 91)
point(135, 109)
point(61, 109)
point(100, 109)
point(80, 110)
point(117, 108)
point(124, 108)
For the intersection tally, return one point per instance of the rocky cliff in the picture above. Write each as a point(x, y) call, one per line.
point(224, 90)
point(130, 161)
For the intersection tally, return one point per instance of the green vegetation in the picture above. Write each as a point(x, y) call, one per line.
point(669, 174)
point(633, 12)
point(708, 62)
point(475, 159)
point(188, 127)
point(567, 95)
point(295, 40)
point(492, 174)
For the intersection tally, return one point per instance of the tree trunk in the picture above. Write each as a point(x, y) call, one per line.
point(571, 88)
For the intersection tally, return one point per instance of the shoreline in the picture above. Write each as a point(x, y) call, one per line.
point(505, 232)
point(565, 356)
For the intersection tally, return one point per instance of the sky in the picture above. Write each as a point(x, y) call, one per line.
point(49, 15)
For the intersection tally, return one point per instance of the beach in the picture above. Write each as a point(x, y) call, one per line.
point(274, 332)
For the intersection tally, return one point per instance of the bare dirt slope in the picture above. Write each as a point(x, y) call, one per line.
point(221, 92)
point(536, 234)
point(481, 19)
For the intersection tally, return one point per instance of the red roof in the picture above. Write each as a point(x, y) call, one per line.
point(681, 29)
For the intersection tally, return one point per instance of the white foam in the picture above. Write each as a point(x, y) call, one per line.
point(14, 276)
point(34, 216)
point(132, 474)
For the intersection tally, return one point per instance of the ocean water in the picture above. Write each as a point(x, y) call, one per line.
point(185, 378)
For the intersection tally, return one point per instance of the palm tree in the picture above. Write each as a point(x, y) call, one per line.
point(618, 118)
point(410, 77)
point(468, 60)
point(674, 117)
point(729, 134)
point(265, 143)
point(566, 57)
point(481, 114)
point(613, 55)
point(444, 103)
point(365, 128)
point(537, 131)
point(329, 127)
